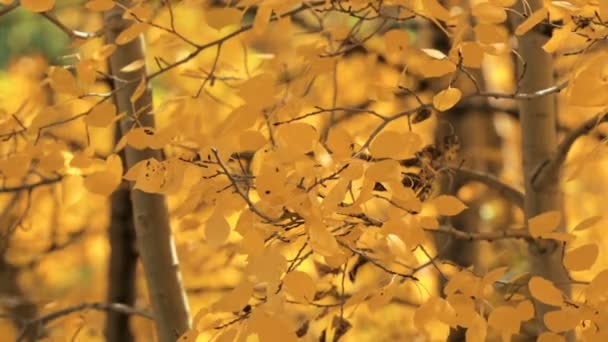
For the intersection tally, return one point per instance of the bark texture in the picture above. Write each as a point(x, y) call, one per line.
point(122, 265)
point(539, 142)
point(151, 219)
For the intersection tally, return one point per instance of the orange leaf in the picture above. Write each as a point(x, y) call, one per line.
point(217, 229)
point(300, 286)
point(544, 223)
point(99, 5)
point(544, 290)
point(102, 115)
point(581, 258)
point(38, 5)
point(447, 99)
point(133, 66)
point(536, 17)
point(130, 33)
point(448, 205)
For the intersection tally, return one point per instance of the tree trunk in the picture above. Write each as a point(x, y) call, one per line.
point(539, 141)
point(151, 219)
point(122, 264)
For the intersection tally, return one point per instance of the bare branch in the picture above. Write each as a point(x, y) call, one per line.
point(551, 168)
point(509, 192)
point(9, 8)
point(116, 307)
point(30, 186)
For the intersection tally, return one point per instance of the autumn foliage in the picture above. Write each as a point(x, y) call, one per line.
point(319, 169)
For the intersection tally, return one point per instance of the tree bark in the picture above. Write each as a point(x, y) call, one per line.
point(122, 264)
point(151, 219)
point(539, 141)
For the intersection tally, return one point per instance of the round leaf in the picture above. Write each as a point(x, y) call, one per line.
point(446, 99)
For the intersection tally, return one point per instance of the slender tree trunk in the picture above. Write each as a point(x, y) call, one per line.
point(539, 142)
point(151, 219)
point(122, 264)
point(460, 122)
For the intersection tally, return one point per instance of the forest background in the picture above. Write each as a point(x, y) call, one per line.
point(387, 170)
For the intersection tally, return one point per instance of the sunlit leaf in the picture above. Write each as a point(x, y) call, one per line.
point(544, 290)
point(448, 205)
point(38, 5)
point(217, 229)
point(300, 286)
point(130, 33)
point(533, 20)
point(581, 258)
point(544, 223)
point(446, 99)
point(102, 115)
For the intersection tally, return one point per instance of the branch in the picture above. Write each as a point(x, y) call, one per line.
point(485, 236)
point(115, 307)
point(526, 96)
point(74, 34)
point(30, 186)
point(509, 192)
point(9, 8)
point(551, 168)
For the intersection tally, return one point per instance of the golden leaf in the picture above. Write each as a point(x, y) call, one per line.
point(581, 258)
point(544, 291)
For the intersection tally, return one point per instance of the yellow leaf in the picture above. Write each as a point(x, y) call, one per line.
point(587, 223)
point(321, 240)
point(472, 54)
point(85, 70)
point(52, 161)
point(448, 205)
point(218, 18)
point(38, 5)
point(581, 258)
point(562, 320)
point(525, 310)
point(252, 140)
point(130, 33)
point(298, 138)
point(235, 300)
point(102, 115)
point(300, 286)
point(491, 34)
point(383, 171)
point(603, 8)
point(105, 182)
point(544, 291)
point(396, 41)
point(134, 66)
point(395, 145)
point(139, 90)
point(534, 19)
point(505, 319)
point(104, 52)
point(489, 13)
point(99, 5)
point(151, 176)
point(16, 166)
point(544, 223)
point(559, 38)
point(339, 142)
point(596, 291)
point(217, 230)
point(62, 81)
point(436, 10)
point(262, 18)
point(446, 99)
point(504, 3)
